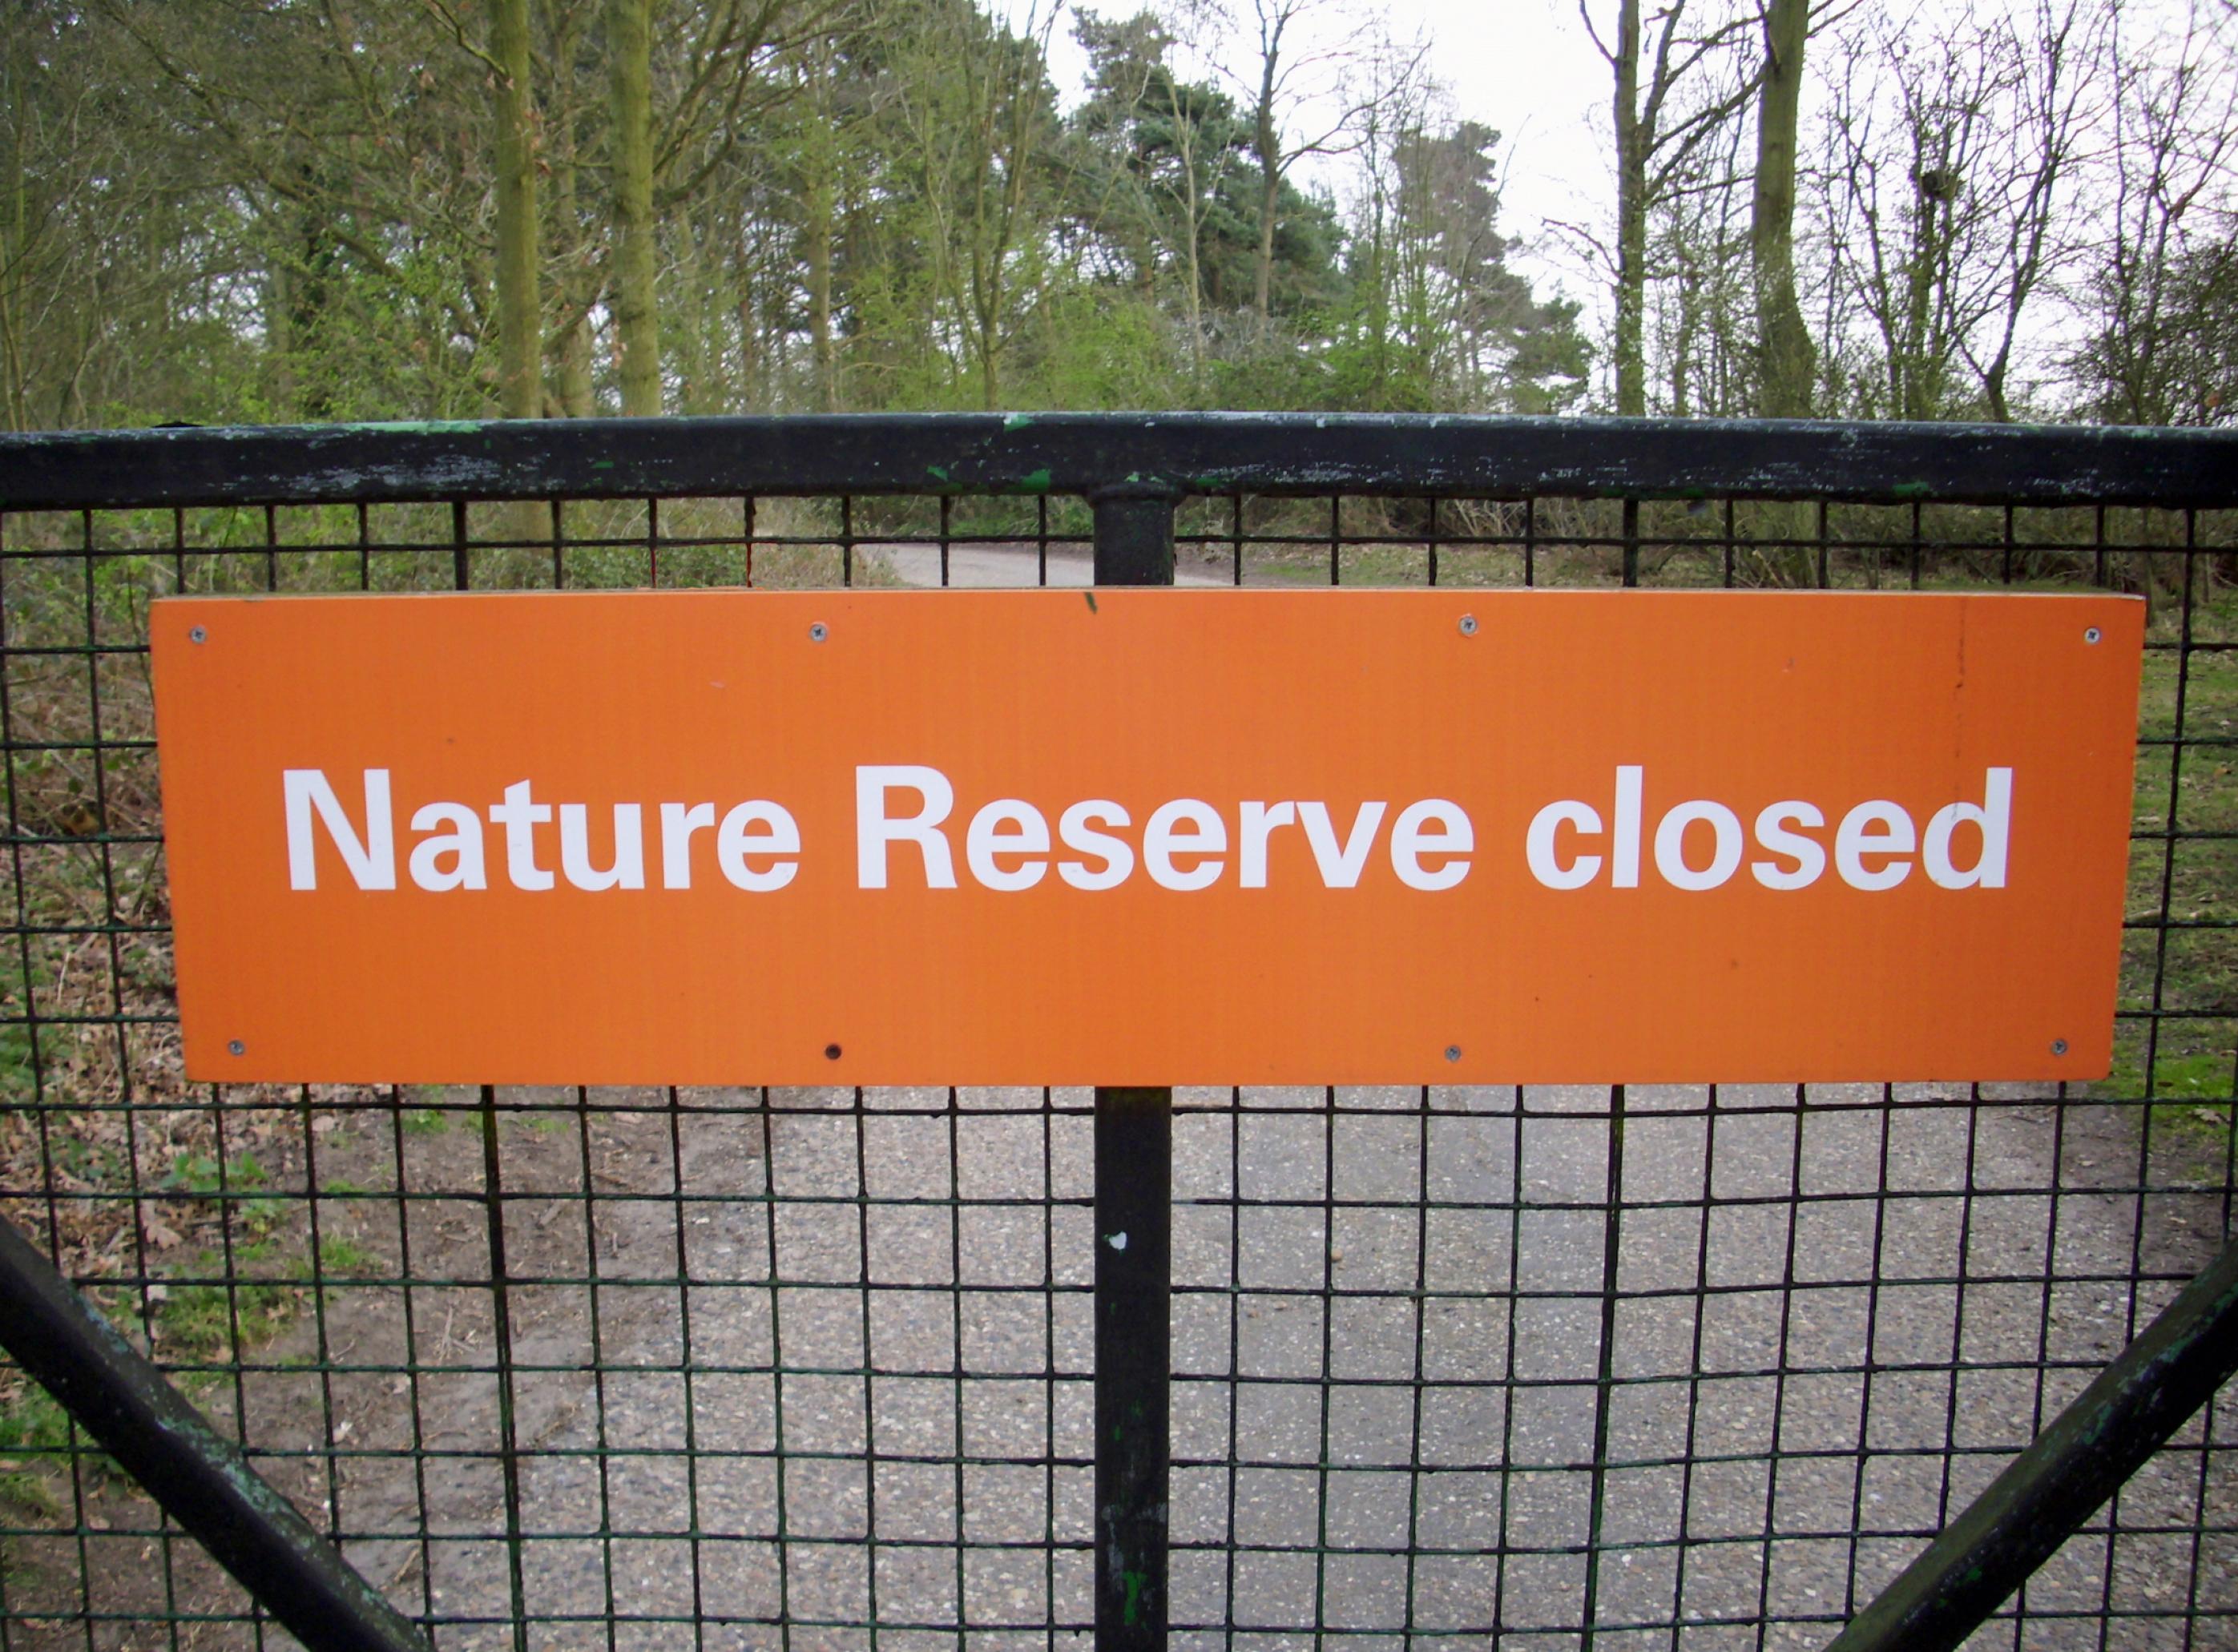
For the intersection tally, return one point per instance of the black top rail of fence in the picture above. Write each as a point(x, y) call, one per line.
point(1172, 455)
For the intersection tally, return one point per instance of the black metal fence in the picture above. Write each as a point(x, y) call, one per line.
point(1668, 1367)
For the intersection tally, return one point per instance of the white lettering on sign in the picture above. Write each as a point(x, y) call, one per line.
point(875, 830)
point(1699, 843)
point(904, 835)
point(371, 859)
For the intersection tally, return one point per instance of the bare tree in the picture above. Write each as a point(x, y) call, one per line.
point(1287, 79)
point(1700, 292)
point(519, 308)
point(661, 155)
point(980, 126)
point(1783, 343)
point(637, 312)
point(1952, 159)
point(2160, 296)
point(1655, 62)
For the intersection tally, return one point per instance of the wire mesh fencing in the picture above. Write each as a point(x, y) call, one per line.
point(1690, 1367)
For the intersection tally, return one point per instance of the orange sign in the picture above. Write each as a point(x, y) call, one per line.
point(1146, 836)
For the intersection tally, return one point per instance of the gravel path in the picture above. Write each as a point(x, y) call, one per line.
point(971, 562)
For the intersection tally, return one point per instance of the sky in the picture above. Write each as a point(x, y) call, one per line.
point(1533, 73)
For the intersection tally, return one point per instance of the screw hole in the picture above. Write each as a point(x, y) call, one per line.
point(2059, 1047)
point(1453, 1052)
point(198, 635)
point(234, 1046)
point(831, 1052)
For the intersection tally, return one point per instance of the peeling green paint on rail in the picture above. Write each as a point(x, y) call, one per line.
point(409, 426)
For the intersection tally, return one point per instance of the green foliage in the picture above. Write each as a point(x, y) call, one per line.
point(201, 1322)
point(232, 1185)
point(283, 213)
point(1096, 346)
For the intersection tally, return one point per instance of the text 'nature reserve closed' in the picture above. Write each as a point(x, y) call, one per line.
point(1185, 844)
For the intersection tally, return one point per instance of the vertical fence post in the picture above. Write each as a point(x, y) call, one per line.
point(1134, 1245)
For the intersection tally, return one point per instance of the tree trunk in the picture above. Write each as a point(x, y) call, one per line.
point(1192, 254)
point(1265, 139)
point(569, 348)
point(1784, 365)
point(637, 315)
point(1914, 399)
point(520, 312)
point(818, 232)
point(1262, 278)
point(752, 396)
point(1630, 218)
point(817, 203)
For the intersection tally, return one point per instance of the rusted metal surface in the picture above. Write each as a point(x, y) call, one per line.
point(1093, 453)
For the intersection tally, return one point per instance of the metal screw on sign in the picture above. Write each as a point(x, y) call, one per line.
point(2092, 634)
point(817, 632)
point(236, 1047)
point(2059, 1047)
point(1453, 1052)
point(198, 635)
point(1468, 624)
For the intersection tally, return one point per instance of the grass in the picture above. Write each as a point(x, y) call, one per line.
point(192, 1324)
point(2193, 1057)
point(234, 1184)
point(197, 1324)
point(34, 1431)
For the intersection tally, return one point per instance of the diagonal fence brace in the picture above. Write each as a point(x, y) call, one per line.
point(202, 1481)
point(2045, 1496)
